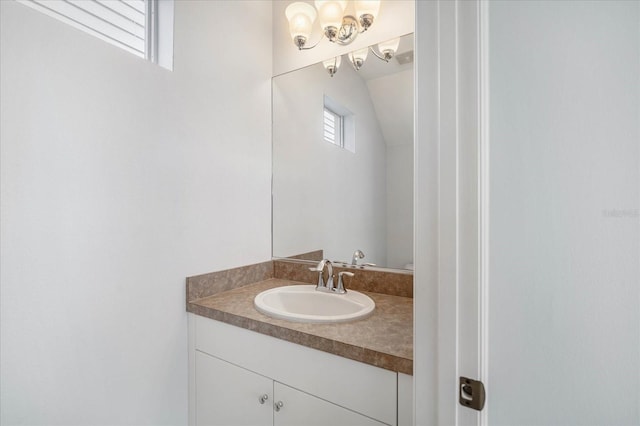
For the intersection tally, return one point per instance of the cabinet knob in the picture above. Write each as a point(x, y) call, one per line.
point(278, 405)
point(263, 398)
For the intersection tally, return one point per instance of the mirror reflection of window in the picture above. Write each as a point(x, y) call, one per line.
point(333, 127)
point(338, 125)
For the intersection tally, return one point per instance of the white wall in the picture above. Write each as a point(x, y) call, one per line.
point(392, 98)
point(565, 267)
point(118, 180)
point(396, 18)
point(326, 197)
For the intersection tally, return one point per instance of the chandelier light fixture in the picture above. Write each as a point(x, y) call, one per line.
point(386, 51)
point(332, 65)
point(358, 57)
point(336, 26)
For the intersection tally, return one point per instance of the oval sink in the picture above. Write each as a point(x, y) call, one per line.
point(302, 303)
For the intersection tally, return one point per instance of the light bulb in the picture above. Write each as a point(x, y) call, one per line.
point(358, 57)
point(301, 17)
point(388, 48)
point(367, 11)
point(330, 12)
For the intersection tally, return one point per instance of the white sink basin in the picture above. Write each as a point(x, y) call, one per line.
point(302, 303)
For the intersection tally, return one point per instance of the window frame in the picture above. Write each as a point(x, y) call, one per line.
point(158, 29)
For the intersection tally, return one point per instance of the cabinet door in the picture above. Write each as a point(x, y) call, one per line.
point(301, 409)
point(227, 395)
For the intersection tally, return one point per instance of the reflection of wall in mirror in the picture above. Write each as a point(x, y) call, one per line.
point(326, 197)
point(392, 97)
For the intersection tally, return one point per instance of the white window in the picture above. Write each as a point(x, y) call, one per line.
point(338, 125)
point(141, 27)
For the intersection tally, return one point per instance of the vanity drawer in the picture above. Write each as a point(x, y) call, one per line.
point(360, 387)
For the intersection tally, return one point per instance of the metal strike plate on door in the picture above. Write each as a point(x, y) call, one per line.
point(472, 393)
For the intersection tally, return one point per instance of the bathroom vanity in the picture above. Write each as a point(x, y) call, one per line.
point(249, 368)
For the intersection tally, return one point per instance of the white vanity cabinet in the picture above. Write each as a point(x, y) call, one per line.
point(228, 395)
point(304, 409)
point(232, 369)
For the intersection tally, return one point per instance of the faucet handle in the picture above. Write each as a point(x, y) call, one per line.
point(340, 289)
point(320, 280)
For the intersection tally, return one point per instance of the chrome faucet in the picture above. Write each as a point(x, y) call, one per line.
point(358, 254)
point(322, 286)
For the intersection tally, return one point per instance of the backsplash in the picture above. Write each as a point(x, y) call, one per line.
point(205, 285)
point(384, 282)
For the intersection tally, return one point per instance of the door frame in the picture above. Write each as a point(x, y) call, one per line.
point(451, 208)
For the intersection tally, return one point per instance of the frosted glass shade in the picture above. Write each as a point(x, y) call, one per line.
point(301, 17)
point(389, 46)
point(330, 12)
point(367, 7)
point(359, 55)
point(332, 62)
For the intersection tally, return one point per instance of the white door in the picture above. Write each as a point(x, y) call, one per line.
point(227, 395)
point(295, 408)
point(538, 230)
point(564, 281)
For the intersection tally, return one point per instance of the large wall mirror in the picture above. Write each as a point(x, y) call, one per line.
point(343, 161)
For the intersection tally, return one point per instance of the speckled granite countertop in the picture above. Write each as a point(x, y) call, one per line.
point(384, 339)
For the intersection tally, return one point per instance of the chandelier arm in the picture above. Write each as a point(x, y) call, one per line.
point(317, 43)
point(382, 58)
